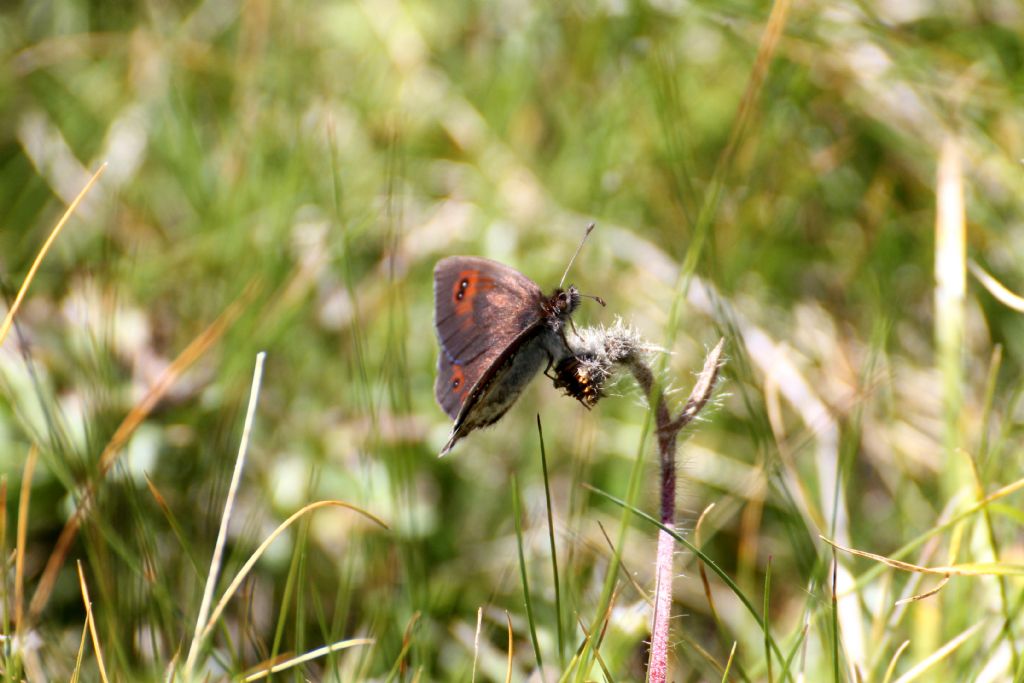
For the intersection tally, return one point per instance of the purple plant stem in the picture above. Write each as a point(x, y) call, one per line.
point(667, 430)
point(657, 668)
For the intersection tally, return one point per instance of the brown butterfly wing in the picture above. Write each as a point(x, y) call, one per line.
point(481, 307)
point(451, 387)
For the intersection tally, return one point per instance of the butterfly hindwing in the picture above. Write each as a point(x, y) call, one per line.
point(481, 307)
point(451, 387)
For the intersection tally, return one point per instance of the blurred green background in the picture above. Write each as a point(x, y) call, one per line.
point(302, 166)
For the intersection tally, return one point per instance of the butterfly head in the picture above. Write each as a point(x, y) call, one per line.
point(560, 305)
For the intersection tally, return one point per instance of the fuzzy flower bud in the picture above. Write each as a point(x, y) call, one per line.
point(596, 351)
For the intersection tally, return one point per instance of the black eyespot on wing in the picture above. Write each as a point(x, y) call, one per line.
point(450, 386)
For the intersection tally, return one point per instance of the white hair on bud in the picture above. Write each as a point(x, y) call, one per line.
point(615, 344)
point(599, 350)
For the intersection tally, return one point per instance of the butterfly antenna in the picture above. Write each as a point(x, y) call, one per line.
point(590, 229)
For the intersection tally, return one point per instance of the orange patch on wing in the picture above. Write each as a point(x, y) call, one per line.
point(463, 291)
point(458, 380)
point(465, 288)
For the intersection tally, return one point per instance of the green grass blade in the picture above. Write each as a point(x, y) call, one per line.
point(554, 549)
point(705, 559)
point(767, 613)
point(517, 515)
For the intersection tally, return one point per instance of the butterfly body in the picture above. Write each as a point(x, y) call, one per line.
point(496, 330)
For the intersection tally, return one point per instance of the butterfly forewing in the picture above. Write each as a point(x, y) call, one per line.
point(480, 308)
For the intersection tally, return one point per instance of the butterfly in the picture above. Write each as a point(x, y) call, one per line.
point(497, 330)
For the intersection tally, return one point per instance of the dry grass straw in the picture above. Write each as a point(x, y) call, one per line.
point(91, 621)
point(476, 641)
point(193, 352)
point(30, 462)
point(996, 288)
point(5, 326)
point(19, 555)
point(229, 503)
point(950, 288)
point(218, 549)
point(511, 649)
point(206, 618)
point(308, 657)
point(933, 659)
point(258, 553)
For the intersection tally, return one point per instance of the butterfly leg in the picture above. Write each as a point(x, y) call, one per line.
point(551, 359)
point(547, 370)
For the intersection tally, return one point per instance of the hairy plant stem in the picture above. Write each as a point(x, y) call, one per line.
point(667, 429)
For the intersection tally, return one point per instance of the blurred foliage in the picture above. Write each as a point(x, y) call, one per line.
point(305, 164)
